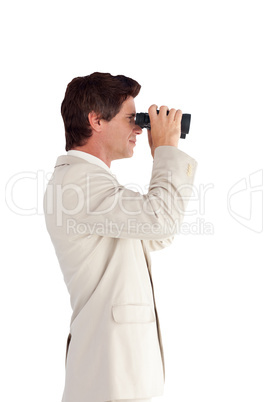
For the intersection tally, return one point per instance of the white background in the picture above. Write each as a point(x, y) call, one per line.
point(208, 58)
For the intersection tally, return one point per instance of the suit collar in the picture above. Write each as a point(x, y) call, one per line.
point(72, 160)
point(89, 158)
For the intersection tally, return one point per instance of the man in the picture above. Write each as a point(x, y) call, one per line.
point(103, 234)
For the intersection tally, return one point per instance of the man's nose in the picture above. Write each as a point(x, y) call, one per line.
point(137, 129)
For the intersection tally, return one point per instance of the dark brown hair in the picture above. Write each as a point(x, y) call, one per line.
point(102, 93)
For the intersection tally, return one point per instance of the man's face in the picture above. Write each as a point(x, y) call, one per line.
point(120, 132)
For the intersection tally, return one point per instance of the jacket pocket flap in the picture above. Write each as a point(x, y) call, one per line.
point(133, 313)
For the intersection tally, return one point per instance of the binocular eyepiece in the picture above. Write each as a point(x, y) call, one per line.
point(143, 120)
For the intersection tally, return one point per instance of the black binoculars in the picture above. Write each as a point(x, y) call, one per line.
point(143, 120)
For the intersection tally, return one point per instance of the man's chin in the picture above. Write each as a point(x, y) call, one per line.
point(125, 156)
point(129, 153)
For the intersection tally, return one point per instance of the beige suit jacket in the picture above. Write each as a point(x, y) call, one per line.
point(103, 234)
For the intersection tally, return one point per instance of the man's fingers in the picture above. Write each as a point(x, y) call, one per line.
point(163, 110)
point(152, 110)
point(178, 116)
point(172, 113)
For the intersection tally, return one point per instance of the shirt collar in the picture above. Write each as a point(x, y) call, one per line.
point(90, 158)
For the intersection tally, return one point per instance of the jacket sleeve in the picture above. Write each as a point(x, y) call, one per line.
point(100, 204)
point(154, 245)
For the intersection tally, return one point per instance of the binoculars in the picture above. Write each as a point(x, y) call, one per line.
point(143, 120)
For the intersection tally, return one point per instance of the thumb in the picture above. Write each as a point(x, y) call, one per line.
point(150, 140)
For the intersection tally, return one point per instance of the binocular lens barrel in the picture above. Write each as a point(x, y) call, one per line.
point(143, 120)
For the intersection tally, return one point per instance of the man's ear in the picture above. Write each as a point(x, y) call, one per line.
point(94, 121)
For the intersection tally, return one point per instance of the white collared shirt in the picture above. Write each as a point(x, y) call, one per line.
point(90, 158)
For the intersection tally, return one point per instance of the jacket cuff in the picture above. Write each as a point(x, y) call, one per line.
point(170, 153)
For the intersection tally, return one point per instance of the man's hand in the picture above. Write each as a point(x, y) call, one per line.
point(151, 142)
point(165, 129)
